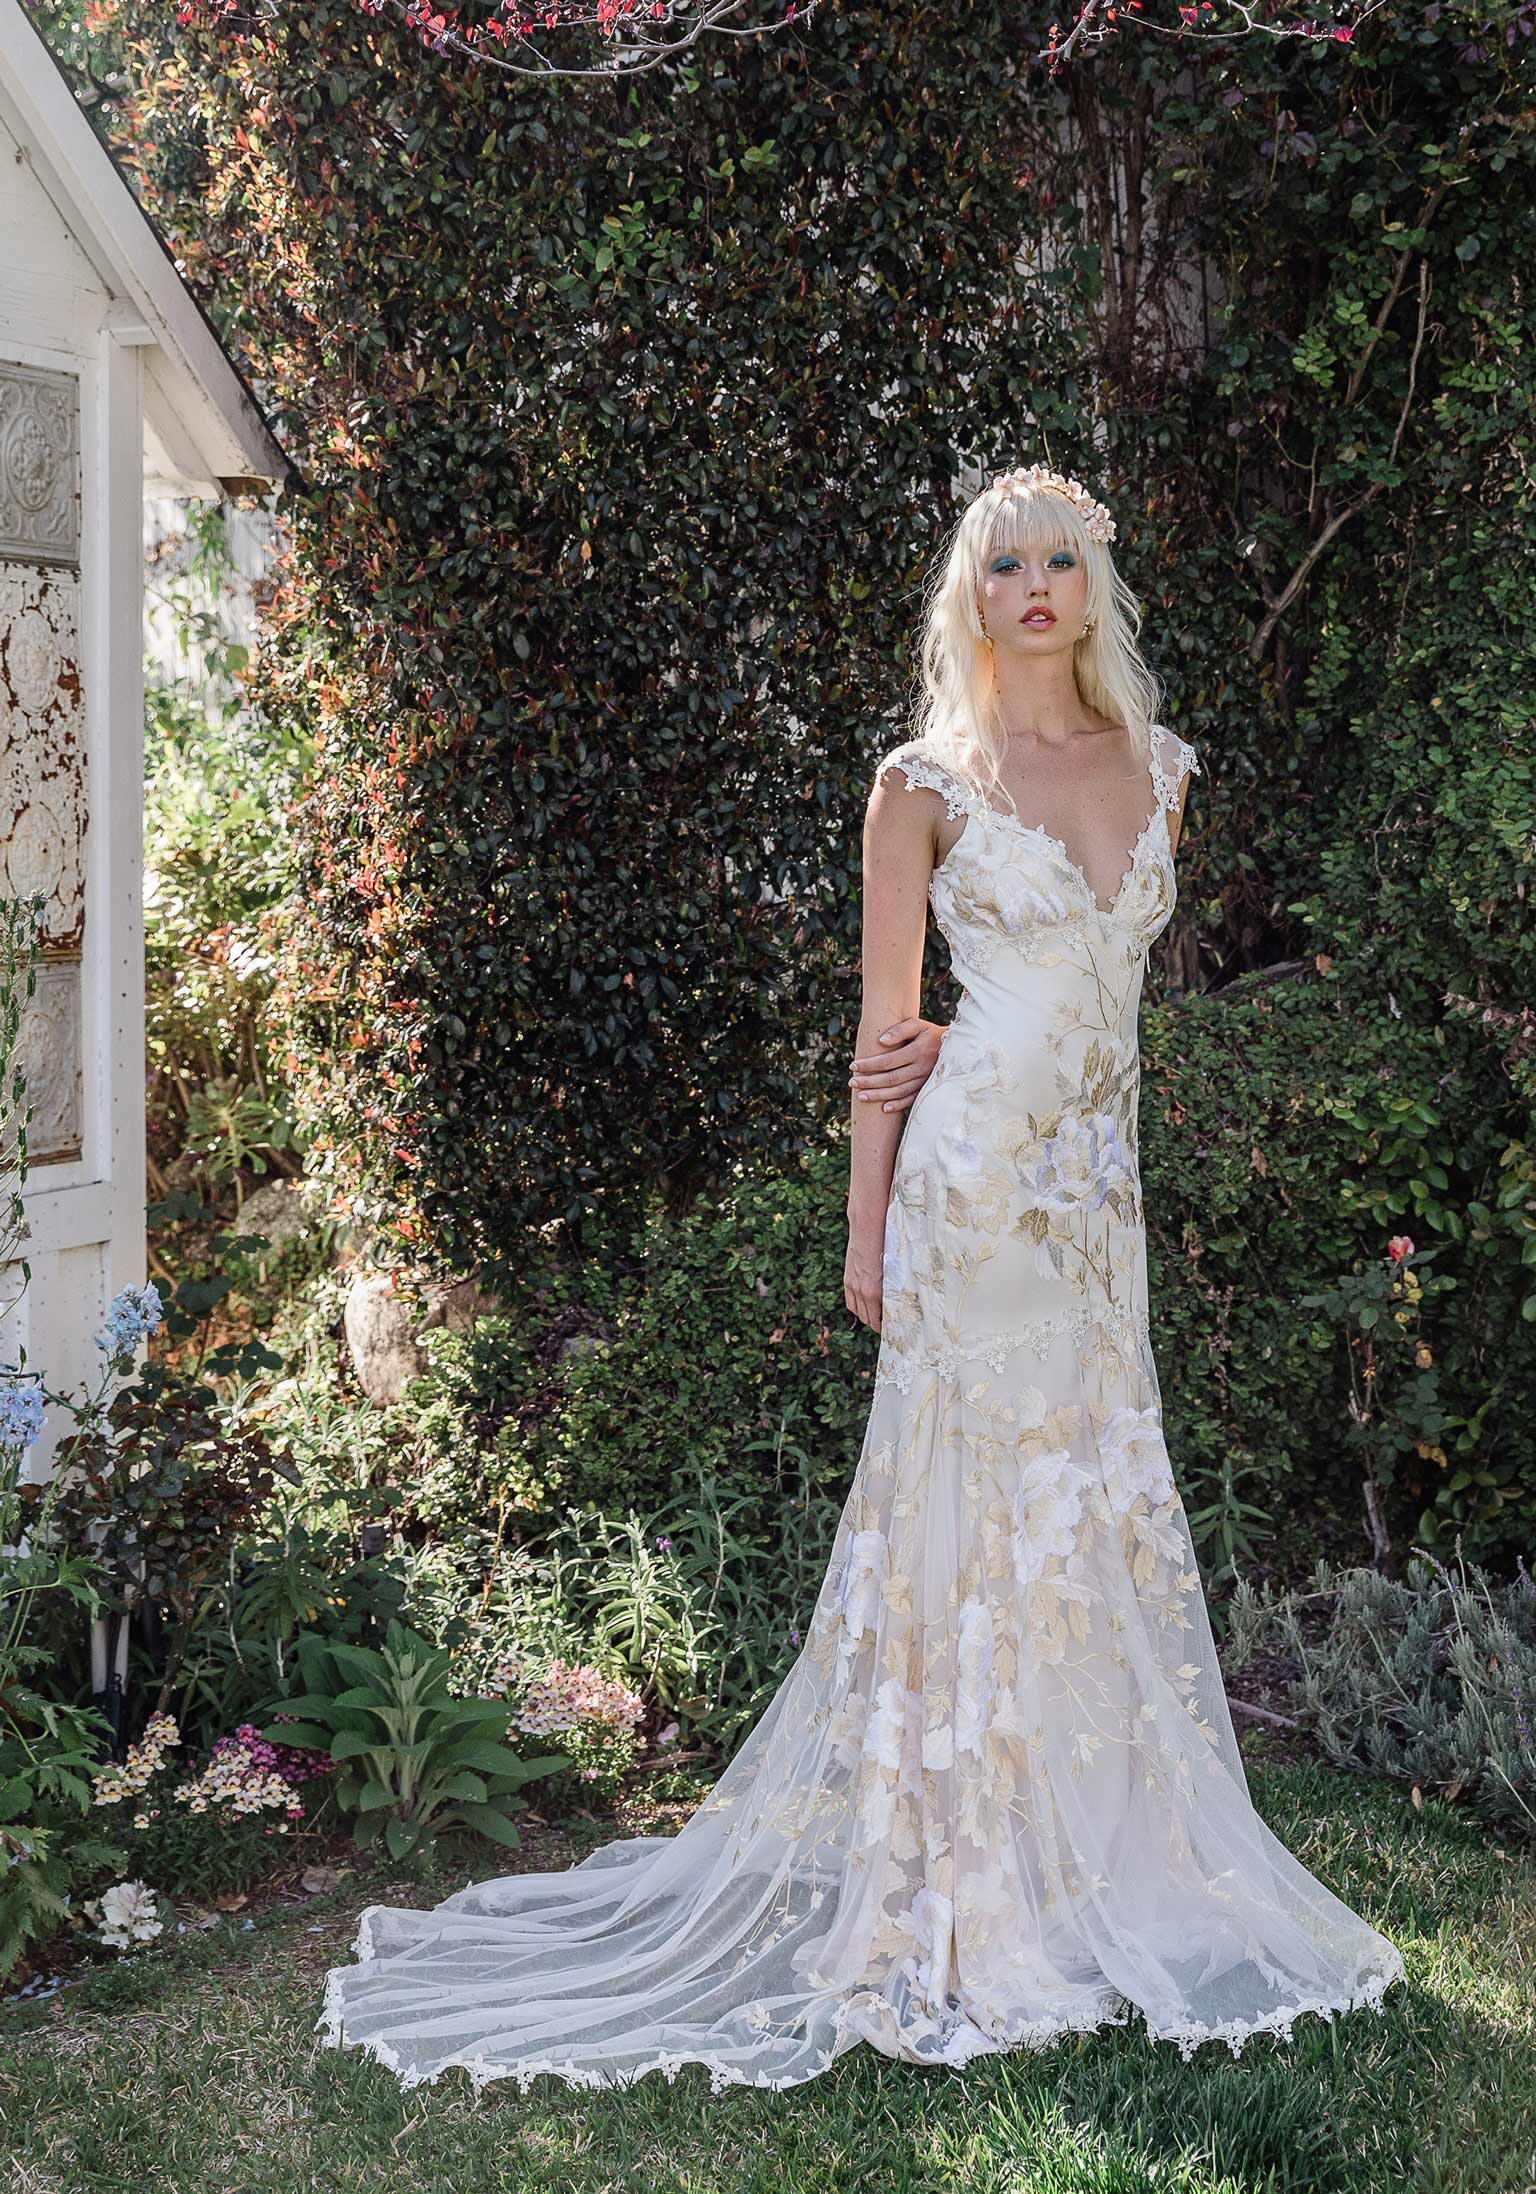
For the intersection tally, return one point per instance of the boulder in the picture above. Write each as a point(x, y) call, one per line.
point(383, 1327)
point(281, 1210)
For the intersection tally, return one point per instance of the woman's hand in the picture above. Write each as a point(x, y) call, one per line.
point(907, 1057)
point(863, 1272)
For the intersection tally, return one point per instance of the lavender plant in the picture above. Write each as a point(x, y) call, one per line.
point(1429, 1677)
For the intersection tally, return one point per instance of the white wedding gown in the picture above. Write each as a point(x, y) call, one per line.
point(997, 1799)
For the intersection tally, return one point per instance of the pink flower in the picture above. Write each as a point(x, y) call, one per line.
point(1400, 1246)
point(568, 1696)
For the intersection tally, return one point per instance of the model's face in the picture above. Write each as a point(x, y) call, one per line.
point(1034, 600)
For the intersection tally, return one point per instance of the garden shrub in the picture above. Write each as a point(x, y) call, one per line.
point(1429, 1677)
point(700, 1608)
point(414, 1759)
point(692, 1603)
point(1284, 1143)
point(207, 1827)
point(722, 1330)
point(218, 779)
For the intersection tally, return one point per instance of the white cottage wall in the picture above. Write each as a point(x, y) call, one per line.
point(71, 741)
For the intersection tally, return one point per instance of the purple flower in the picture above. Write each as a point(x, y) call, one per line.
point(665, 1545)
point(1522, 1722)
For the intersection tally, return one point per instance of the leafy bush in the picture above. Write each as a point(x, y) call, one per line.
point(721, 1333)
point(592, 1717)
point(1285, 1141)
point(153, 1488)
point(414, 1759)
point(1429, 1677)
point(1395, 1418)
point(42, 1862)
point(692, 1602)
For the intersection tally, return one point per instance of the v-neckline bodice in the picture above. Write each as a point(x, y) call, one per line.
point(1058, 845)
point(919, 768)
point(1049, 838)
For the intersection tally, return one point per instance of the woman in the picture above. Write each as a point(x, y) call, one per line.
point(997, 1799)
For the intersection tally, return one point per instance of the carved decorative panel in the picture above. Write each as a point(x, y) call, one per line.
point(42, 748)
point(48, 1053)
point(39, 465)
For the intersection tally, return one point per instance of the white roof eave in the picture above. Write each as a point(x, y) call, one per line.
point(204, 430)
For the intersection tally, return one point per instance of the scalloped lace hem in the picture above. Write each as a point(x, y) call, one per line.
point(1041, 2034)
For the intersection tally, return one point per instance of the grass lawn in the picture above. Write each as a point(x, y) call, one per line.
point(198, 2070)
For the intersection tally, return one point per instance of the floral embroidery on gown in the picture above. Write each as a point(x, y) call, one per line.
point(998, 1798)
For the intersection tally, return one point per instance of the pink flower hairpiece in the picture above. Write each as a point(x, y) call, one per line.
point(1096, 519)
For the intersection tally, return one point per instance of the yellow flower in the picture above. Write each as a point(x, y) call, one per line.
point(1422, 1356)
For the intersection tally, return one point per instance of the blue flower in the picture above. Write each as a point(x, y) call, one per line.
point(21, 1416)
point(132, 1313)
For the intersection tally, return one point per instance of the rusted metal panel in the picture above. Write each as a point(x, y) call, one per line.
point(42, 733)
point(42, 749)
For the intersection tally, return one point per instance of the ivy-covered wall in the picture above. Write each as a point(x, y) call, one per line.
point(629, 416)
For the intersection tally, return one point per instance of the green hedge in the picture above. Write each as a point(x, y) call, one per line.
point(628, 417)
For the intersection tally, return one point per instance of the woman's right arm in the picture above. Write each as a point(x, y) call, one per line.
point(900, 848)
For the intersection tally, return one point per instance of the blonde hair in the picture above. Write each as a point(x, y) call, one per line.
point(952, 714)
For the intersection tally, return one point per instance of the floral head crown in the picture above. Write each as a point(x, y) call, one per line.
point(1096, 519)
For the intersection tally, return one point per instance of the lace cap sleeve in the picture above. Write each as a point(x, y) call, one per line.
point(1173, 759)
point(919, 769)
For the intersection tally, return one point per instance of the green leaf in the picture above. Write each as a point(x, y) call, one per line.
point(308, 1702)
point(365, 1698)
point(475, 1752)
point(491, 1821)
point(363, 1661)
point(477, 1714)
point(529, 1771)
point(306, 1735)
point(400, 1836)
point(350, 1743)
point(463, 1785)
point(15, 1798)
